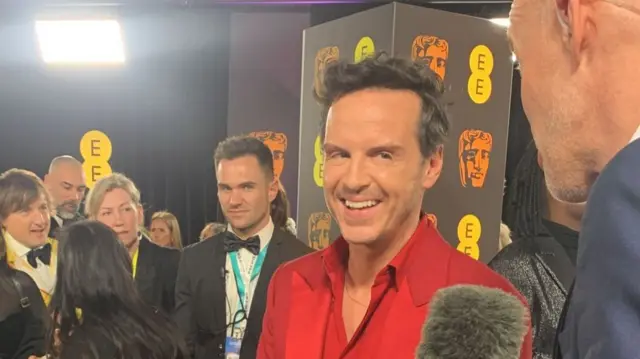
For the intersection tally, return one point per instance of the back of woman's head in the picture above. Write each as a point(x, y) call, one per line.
point(525, 203)
point(93, 266)
point(94, 275)
point(280, 211)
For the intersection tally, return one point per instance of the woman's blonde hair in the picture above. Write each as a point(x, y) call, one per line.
point(105, 185)
point(505, 236)
point(211, 229)
point(172, 224)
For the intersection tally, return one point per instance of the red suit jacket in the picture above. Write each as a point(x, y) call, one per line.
point(299, 300)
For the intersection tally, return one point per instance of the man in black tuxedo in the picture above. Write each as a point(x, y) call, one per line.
point(115, 201)
point(66, 184)
point(222, 282)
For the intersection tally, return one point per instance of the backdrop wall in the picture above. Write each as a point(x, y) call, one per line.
point(264, 85)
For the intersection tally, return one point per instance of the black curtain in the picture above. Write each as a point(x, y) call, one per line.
point(164, 111)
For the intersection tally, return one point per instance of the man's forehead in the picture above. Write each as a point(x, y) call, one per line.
point(68, 169)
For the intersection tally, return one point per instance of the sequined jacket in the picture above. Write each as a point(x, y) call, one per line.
point(541, 270)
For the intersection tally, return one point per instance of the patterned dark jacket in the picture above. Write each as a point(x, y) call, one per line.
point(541, 270)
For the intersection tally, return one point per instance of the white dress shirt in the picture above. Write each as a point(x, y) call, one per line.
point(246, 260)
point(44, 275)
point(636, 135)
point(58, 220)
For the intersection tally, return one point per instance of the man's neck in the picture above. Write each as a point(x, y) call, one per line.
point(566, 214)
point(366, 261)
point(247, 233)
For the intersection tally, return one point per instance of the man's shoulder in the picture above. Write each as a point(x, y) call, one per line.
point(204, 247)
point(517, 253)
point(621, 173)
point(293, 245)
point(160, 250)
point(307, 263)
point(466, 270)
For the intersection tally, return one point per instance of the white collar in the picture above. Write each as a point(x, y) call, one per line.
point(265, 233)
point(18, 248)
point(636, 135)
point(58, 220)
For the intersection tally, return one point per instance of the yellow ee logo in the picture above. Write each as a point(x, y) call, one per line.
point(318, 166)
point(469, 232)
point(365, 48)
point(481, 65)
point(96, 150)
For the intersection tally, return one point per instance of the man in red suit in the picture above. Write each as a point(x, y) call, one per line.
point(366, 295)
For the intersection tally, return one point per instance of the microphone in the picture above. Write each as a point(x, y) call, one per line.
point(473, 322)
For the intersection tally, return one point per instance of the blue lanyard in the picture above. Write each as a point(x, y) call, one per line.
point(257, 267)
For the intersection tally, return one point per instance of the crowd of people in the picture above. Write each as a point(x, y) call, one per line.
point(106, 287)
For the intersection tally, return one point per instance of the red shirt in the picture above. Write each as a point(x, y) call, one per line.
point(368, 335)
point(303, 318)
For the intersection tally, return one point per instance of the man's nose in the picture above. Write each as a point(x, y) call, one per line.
point(235, 197)
point(41, 218)
point(357, 177)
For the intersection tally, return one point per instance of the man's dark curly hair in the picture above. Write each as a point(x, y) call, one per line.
point(342, 78)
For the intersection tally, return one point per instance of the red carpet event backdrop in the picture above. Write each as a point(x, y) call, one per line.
point(474, 60)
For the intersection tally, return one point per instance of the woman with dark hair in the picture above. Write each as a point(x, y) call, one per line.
point(280, 212)
point(540, 262)
point(22, 313)
point(99, 313)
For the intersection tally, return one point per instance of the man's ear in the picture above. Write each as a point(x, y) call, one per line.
point(273, 190)
point(433, 168)
point(540, 162)
point(577, 24)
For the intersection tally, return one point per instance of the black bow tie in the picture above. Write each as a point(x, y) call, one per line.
point(232, 243)
point(44, 254)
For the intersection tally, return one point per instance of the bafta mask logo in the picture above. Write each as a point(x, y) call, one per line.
point(319, 227)
point(324, 57)
point(431, 51)
point(277, 143)
point(474, 151)
point(432, 217)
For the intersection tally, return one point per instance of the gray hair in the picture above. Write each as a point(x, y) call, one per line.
point(107, 184)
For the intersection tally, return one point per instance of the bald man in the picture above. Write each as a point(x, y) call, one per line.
point(66, 184)
point(579, 66)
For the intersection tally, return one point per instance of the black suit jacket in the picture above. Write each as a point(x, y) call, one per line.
point(156, 274)
point(201, 298)
point(55, 227)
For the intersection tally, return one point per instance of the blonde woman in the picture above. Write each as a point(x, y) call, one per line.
point(115, 201)
point(165, 230)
